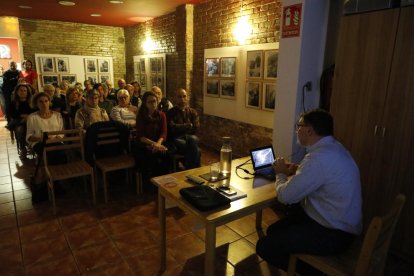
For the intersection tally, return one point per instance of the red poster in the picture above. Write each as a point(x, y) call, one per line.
point(292, 16)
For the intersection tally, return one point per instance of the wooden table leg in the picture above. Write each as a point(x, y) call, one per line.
point(163, 244)
point(259, 215)
point(210, 244)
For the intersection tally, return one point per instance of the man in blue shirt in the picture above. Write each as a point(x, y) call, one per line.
point(326, 183)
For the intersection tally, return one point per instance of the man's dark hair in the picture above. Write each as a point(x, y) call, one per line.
point(320, 120)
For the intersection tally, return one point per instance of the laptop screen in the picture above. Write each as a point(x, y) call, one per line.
point(262, 157)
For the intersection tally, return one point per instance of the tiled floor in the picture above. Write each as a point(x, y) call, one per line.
point(118, 238)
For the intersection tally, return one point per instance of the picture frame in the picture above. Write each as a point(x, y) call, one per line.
point(253, 94)
point(270, 64)
point(228, 89)
point(142, 65)
point(269, 96)
point(103, 65)
point(47, 65)
point(50, 79)
point(212, 88)
point(5, 51)
point(156, 64)
point(71, 78)
point(91, 65)
point(212, 67)
point(254, 64)
point(228, 67)
point(104, 78)
point(62, 64)
point(137, 68)
point(143, 80)
point(93, 78)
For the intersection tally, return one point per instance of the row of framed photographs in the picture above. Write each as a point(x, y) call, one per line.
point(56, 79)
point(262, 64)
point(61, 65)
point(259, 95)
point(224, 67)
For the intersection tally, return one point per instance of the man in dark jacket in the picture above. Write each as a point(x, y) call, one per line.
point(10, 79)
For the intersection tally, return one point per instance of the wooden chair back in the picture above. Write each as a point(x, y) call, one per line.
point(63, 140)
point(374, 250)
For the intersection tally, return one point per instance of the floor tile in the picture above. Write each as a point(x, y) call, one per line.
point(45, 250)
point(78, 220)
point(24, 205)
point(118, 225)
point(147, 262)
point(61, 266)
point(92, 257)
point(9, 237)
point(90, 235)
point(6, 197)
point(173, 228)
point(4, 180)
point(6, 187)
point(41, 213)
point(40, 231)
point(223, 235)
point(239, 251)
point(23, 194)
point(185, 247)
point(7, 208)
point(8, 221)
point(120, 267)
point(244, 226)
point(20, 185)
point(134, 241)
point(10, 259)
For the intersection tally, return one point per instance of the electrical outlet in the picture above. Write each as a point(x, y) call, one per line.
point(308, 86)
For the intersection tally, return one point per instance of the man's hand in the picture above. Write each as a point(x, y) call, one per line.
point(280, 166)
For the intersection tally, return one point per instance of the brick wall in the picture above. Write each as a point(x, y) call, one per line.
point(53, 37)
point(213, 28)
point(163, 32)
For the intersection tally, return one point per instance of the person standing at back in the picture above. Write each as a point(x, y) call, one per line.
point(10, 79)
point(28, 74)
point(326, 183)
point(183, 122)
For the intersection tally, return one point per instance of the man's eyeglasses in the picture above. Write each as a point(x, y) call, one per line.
point(122, 98)
point(299, 125)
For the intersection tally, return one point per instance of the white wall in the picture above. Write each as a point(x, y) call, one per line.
point(300, 60)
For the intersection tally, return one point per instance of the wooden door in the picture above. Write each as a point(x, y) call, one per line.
point(396, 167)
point(363, 64)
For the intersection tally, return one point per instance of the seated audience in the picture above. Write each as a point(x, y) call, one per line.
point(73, 104)
point(326, 183)
point(19, 111)
point(103, 101)
point(124, 112)
point(58, 103)
point(88, 86)
point(41, 121)
point(163, 103)
point(111, 95)
point(136, 94)
point(91, 112)
point(151, 133)
point(63, 87)
point(183, 122)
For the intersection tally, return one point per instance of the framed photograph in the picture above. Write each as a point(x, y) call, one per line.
point(62, 64)
point(154, 80)
point(254, 64)
point(137, 68)
point(269, 96)
point(253, 93)
point(90, 65)
point(5, 51)
point(103, 65)
point(92, 78)
point(228, 89)
point(47, 65)
point(228, 67)
point(212, 67)
point(70, 78)
point(104, 78)
point(212, 88)
point(142, 65)
point(143, 80)
point(50, 79)
point(156, 65)
point(270, 64)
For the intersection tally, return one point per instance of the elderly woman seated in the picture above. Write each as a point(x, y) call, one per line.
point(90, 113)
point(124, 112)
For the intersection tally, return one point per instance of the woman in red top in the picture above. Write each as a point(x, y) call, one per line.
point(151, 154)
point(29, 75)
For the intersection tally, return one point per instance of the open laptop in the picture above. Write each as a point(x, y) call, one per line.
point(262, 160)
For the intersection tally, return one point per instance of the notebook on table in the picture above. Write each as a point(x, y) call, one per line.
point(262, 160)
